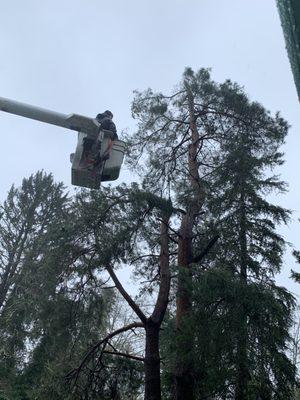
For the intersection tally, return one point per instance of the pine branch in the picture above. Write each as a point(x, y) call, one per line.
point(169, 227)
point(126, 296)
point(204, 252)
point(162, 96)
point(75, 372)
point(165, 276)
point(119, 353)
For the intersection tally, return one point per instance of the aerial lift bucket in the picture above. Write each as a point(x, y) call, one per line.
point(110, 159)
point(111, 153)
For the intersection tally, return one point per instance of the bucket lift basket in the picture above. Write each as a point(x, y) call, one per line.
point(110, 153)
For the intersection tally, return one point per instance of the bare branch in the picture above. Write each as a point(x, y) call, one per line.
point(165, 276)
point(204, 252)
point(131, 356)
point(75, 372)
point(169, 227)
point(144, 256)
point(126, 296)
point(162, 96)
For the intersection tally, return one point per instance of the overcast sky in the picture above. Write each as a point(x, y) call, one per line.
point(84, 56)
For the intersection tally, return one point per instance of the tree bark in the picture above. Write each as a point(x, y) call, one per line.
point(152, 326)
point(242, 338)
point(242, 365)
point(184, 377)
point(152, 362)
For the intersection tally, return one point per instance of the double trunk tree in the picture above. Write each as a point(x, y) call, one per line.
point(184, 369)
point(179, 134)
point(186, 142)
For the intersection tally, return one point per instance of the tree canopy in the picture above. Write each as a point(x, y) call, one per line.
point(205, 319)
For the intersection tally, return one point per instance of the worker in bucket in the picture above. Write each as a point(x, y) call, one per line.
point(106, 122)
point(91, 148)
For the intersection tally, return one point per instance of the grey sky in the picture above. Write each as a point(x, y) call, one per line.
point(85, 56)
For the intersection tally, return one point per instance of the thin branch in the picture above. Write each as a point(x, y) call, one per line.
point(173, 240)
point(126, 296)
point(118, 353)
point(204, 252)
point(161, 96)
point(180, 210)
point(143, 256)
point(169, 227)
point(75, 372)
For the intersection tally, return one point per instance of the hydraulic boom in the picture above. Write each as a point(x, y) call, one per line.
point(103, 159)
point(74, 122)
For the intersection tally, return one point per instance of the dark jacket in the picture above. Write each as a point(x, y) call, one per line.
point(107, 124)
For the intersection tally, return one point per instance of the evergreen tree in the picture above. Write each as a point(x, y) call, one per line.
point(176, 136)
point(209, 147)
point(258, 313)
point(27, 215)
point(54, 305)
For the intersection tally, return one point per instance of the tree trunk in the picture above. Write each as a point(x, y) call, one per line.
point(242, 365)
point(184, 377)
point(152, 362)
point(242, 339)
point(152, 325)
point(184, 382)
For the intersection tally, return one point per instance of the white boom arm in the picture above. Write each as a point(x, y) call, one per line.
point(74, 122)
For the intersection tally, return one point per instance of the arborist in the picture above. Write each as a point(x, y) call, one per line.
point(91, 147)
point(106, 122)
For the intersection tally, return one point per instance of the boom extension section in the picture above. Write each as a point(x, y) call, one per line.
point(101, 162)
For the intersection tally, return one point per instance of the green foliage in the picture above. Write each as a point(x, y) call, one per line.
point(159, 148)
point(245, 303)
point(241, 182)
point(235, 298)
point(269, 309)
point(54, 252)
point(54, 307)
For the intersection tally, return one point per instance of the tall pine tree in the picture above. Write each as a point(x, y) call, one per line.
point(208, 147)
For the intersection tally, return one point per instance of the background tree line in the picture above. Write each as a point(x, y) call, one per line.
point(208, 320)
